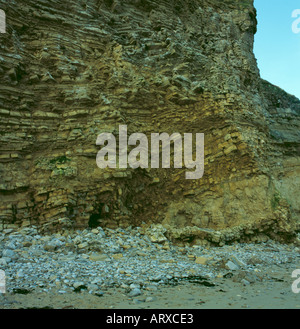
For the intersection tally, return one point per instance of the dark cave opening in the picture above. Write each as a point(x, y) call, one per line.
point(95, 219)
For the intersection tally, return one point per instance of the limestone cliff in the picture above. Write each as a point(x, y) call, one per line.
point(73, 69)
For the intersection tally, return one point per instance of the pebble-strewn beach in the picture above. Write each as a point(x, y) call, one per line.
point(123, 268)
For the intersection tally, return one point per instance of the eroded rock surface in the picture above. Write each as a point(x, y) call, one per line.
point(72, 70)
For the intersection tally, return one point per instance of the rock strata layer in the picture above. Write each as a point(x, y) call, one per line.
point(72, 70)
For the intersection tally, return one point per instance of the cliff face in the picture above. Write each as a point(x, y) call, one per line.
point(72, 70)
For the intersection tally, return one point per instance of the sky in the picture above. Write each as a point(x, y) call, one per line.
point(277, 46)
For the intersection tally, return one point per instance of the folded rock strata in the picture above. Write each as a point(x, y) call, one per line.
point(72, 70)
